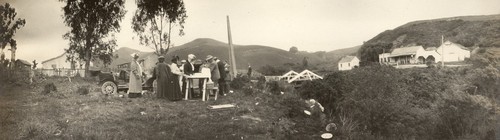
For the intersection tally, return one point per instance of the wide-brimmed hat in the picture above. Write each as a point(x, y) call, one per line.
point(134, 54)
point(209, 57)
point(183, 61)
point(191, 56)
point(161, 57)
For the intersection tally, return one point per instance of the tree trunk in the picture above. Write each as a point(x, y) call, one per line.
point(87, 64)
point(13, 58)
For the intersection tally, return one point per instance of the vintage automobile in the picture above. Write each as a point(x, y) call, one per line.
point(112, 84)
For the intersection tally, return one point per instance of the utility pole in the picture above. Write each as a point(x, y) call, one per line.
point(442, 51)
point(232, 60)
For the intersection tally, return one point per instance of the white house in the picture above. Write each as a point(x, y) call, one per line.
point(453, 52)
point(348, 62)
point(59, 62)
point(409, 55)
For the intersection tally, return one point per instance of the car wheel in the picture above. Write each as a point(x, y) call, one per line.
point(109, 87)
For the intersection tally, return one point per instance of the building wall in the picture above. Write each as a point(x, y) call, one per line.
point(453, 53)
point(349, 65)
point(59, 63)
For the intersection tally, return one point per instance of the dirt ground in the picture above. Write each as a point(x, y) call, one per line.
point(26, 113)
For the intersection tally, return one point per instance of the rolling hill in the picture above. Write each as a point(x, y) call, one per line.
point(255, 55)
point(470, 31)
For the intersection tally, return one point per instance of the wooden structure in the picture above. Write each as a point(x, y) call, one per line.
point(305, 75)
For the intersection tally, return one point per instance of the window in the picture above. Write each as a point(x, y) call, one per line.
point(348, 64)
point(54, 66)
point(340, 65)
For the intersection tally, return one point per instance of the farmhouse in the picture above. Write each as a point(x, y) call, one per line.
point(23, 64)
point(453, 52)
point(409, 55)
point(348, 62)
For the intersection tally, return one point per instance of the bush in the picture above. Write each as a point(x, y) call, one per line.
point(239, 82)
point(83, 90)
point(48, 88)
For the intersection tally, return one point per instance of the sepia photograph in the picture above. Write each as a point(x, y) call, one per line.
point(250, 69)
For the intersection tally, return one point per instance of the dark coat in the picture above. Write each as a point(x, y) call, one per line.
point(222, 72)
point(188, 68)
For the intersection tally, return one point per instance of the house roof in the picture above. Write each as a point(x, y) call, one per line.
point(456, 44)
point(430, 48)
point(405, 51)
point(54, 58)
point(24, 62)
point(347, 59)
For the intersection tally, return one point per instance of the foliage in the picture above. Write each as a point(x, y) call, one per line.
point(428, 103)
point(48, 88)
point(92, 24)
point(272, 70)
point(152, 16)
point(239, 82)
point(293, 49)
point(8, 27)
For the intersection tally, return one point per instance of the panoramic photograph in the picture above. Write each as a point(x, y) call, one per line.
point(257, 70)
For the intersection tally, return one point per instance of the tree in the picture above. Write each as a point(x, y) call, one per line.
point(154, 20)
point(92, 24)
point(305, 63)
point(294, 49)
point(8, 27)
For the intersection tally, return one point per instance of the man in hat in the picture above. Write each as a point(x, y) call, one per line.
point(214, 71)
point(222, 73)
point(135, 80)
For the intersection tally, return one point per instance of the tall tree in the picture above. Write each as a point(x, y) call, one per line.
point(8, 27)
point(154, 20)
point(294, 49)
point(93, 24)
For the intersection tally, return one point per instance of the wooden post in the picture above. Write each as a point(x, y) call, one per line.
point(232, 60)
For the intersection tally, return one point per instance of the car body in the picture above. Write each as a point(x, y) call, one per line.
point(113, 83)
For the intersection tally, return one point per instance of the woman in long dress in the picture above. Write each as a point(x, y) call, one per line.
point(135, 79)
point(174, 93)
point(161, 74)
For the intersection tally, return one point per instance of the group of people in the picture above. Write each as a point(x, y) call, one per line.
point(171, 78)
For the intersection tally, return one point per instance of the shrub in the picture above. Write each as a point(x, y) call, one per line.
point(48, 88)
point(83, 90)
point(239, 82)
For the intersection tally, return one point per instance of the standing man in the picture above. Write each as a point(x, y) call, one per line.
point(135, 82)
point(249, 72)
point(222, 73)
point(188, 70)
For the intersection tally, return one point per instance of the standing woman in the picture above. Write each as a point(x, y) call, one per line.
point(174, 93)
point(135, 83)
point(161, 74)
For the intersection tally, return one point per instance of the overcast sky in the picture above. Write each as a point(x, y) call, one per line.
point(311, 25)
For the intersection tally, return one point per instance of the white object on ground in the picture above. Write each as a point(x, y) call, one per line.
point(307, 112)
point(326, 135)
point(257, 103)
point(231, 91)
point(221, 106)
point(282, 92)
point(121, 96)
point(143, 113)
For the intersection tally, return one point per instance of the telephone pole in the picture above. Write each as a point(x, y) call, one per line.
point(232, 60)
point(442, 51)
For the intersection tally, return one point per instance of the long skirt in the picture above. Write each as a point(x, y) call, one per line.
point(174, 89)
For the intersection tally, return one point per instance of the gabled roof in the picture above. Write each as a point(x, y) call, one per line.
point(347, 59)
point(54, 58)
point(430, 48)
point(305, 75)
point(24, 62)
point(405, 50)
point(456, 44)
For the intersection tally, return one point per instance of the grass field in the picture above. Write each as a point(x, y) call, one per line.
point(26, 113)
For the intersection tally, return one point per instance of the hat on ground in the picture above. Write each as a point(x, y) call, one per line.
point(209, 57)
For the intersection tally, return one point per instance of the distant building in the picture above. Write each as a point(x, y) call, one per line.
point(453, 52)
point(23, 64)
point(60, 62)
point(409, 55)
point(348, 62)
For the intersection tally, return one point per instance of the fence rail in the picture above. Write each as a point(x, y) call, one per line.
point(62, 72)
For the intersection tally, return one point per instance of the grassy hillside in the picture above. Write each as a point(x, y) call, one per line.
point(470, 31)
point(255, 55)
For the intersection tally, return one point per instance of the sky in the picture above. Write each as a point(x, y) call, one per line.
point(310, 25)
